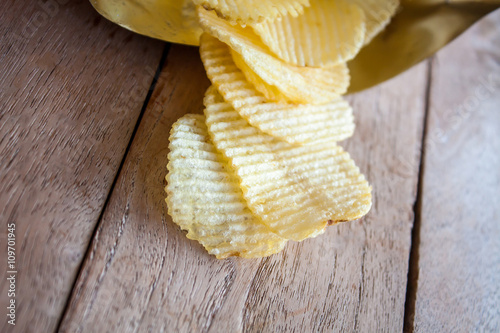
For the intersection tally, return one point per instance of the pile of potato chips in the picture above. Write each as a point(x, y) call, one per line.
point(263, 166)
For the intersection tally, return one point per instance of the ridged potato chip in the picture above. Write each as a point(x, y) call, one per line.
point(296, 190)
point(205, 199)
point(298, 84)
point(270, 92)
point(244, 11)
point(293, 123)
point(328, 33)
point(378, 15)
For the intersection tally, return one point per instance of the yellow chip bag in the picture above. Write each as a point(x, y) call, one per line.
point(296, 190)
point(205, 199)
point(294, 123)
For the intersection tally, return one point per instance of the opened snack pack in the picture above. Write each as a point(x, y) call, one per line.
point(262, 165)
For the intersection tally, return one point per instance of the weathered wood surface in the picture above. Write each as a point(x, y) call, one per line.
point(458, 286)
point(141, 265)
point(71, 89)
point(143, 274)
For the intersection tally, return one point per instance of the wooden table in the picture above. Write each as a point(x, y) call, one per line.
point(86, 108)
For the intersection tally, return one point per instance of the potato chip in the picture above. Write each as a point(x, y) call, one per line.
point(296, 190)
point(378, 14)
point(298, 84)
point(205, 199)
point(271, 93)
point(293, 123)
point(330, 32)
point(244, 11)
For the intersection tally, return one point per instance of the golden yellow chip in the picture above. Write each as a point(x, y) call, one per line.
point(293, 123)
point(296, 190)
point(325, 84)
point(271, 93)
point(330, 32)
point(378, 14)
point(298, 84)
point(245, 11)
point(205, 199)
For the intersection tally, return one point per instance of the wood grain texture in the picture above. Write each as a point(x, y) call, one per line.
point(141, 265)
point(459, 251)
point(71, 89)
point(143, 274)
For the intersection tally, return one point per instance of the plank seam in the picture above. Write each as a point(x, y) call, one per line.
point(413, 263)
point(115, 180)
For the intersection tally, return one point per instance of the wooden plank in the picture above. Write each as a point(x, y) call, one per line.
point(138, 254)
point(71, 89)
point(459, 252)
point(143, 274)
